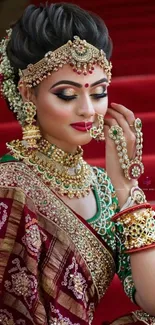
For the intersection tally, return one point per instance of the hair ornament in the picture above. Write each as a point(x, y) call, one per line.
point(8, 88)
point(79, 54)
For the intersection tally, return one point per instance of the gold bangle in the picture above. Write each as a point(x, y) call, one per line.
point(137, 229)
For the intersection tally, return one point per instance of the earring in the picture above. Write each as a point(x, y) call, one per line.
point(98, 133)
point(31, 132)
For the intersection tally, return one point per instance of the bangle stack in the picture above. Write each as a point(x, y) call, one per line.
point(136, 227)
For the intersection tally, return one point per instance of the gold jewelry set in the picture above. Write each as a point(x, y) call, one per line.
point(137, 229)
point(67, 174)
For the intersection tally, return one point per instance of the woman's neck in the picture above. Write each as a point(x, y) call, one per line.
point(65, 146)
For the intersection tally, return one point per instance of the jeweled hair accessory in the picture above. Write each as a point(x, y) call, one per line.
point(79, 54)
point(8, 87)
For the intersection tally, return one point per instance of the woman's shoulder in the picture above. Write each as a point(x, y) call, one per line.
point(12, 174)
point(12, 188)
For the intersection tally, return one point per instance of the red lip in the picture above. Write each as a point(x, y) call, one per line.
point(82, 126)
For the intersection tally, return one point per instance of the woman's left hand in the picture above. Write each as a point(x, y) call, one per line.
point(123, 117)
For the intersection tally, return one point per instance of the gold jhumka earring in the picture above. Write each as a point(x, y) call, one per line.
point(31, 132)
point(97, 133)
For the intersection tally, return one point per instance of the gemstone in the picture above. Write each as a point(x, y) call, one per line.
point(115, 132)
point(58, 181)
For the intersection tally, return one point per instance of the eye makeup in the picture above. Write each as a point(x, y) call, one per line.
point(69, 93)
point(66, 94)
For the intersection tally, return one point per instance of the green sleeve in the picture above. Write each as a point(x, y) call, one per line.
point(7, 158)
point(112, 233)
point(107, 203)
point(123, 266)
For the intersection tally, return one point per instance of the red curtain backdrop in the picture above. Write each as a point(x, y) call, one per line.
point(131, 24)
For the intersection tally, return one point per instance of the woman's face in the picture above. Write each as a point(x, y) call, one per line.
point(65, 99)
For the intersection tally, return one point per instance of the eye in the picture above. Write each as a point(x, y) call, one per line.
point(66, 94)
point(99, 92)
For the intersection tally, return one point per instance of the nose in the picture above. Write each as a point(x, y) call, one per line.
point(86, 107)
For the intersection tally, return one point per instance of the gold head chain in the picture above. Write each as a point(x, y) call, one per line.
point(79, 54)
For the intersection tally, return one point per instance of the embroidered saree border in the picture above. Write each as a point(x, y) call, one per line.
point(98, 259)
point(140, 315)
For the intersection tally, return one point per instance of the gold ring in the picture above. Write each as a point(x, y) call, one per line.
point(131, 124)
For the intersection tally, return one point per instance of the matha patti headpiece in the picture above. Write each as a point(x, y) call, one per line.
point(79, 54)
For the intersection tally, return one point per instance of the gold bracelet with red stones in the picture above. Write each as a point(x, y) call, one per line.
point(136, 227)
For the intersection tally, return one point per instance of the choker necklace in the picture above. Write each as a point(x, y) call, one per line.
point(67, 174)
point(59, 156)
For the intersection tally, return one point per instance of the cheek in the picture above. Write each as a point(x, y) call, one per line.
point(102, 106)
point(51, 108)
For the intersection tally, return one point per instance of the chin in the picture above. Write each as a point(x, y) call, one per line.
point(83, 141)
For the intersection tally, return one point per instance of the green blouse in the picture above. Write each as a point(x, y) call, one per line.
point(107, 206)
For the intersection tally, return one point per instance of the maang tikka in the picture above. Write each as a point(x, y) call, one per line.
point(97, 133)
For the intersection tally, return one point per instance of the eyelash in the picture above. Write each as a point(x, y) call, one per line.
point(68, 98)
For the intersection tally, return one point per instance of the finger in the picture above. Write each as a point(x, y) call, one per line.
point(127, 113)
point(110, 122)
point(121, 120)
point(129, 137)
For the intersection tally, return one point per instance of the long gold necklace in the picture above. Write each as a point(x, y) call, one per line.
point(67, 174)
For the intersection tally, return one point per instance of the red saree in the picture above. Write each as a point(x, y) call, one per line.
point(53, 268)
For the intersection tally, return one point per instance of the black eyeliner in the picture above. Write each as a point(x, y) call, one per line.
point(64, 97)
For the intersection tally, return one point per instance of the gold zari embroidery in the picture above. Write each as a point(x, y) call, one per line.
point(143, 317)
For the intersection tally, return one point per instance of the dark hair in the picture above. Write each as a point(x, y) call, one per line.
point(47, 27)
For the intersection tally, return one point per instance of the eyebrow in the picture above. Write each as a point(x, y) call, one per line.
point(76, 84)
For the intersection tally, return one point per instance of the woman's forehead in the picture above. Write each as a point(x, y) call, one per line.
point(67, 73)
